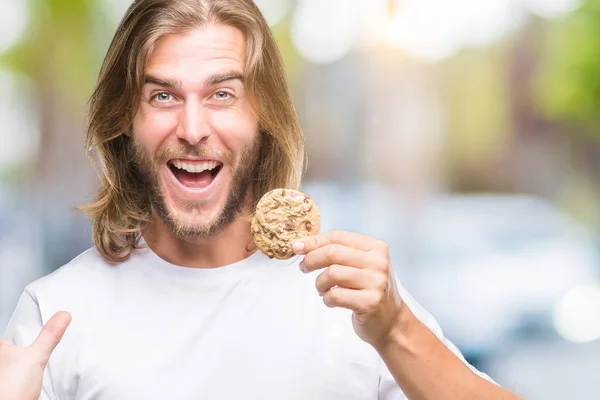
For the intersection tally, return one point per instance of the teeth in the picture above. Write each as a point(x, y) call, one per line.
point(197, 167)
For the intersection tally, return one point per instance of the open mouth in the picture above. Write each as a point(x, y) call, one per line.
point(195, 174)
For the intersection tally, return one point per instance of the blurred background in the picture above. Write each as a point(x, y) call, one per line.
point(464, 133)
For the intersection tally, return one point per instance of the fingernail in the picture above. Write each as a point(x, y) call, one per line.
point(298, 247)
point(302, 266)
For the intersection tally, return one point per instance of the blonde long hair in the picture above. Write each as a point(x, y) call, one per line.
point(122, 205)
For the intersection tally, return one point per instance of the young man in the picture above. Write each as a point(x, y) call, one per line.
point(192, 122)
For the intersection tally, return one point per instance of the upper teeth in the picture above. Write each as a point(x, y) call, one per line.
point(196, 167)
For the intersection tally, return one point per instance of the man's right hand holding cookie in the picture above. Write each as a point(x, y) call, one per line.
point(357, 275)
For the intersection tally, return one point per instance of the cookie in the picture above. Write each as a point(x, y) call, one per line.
point(282, 216)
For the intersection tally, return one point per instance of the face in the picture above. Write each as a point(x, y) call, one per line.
point(195, 135)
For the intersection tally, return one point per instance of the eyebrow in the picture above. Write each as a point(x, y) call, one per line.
point(163, 82)
point(210, 81)
point(224, 77)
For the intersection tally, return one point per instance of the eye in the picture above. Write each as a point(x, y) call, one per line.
point(222, 95)
point(162, 97)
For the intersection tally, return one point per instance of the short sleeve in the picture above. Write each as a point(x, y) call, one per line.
point(23, 328)
point(388, 388)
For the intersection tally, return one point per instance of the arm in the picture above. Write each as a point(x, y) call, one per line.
point(23, 357)
point(357, 275)
point(425, 368)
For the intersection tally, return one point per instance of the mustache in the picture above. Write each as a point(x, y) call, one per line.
point(185, 151)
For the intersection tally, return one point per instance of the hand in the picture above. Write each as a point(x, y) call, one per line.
point(22, 368)
point(357, 275)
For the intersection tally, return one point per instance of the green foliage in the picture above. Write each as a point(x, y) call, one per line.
point(58, 50)
point(475, 87)
point(568, 85)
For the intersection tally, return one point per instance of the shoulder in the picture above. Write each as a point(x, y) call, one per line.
point(82, 270)
point(75, 286)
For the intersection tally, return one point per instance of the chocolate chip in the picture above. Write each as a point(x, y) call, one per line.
point(308, 226)
point(289, 224)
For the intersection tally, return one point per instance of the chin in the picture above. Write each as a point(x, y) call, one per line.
point(198, 217)
point(197, 222)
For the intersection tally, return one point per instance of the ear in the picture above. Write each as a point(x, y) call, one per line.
point(126, 128)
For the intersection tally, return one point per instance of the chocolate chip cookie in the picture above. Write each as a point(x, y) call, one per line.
point(282, 216)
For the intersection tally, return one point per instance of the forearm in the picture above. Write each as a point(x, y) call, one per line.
point(426, 369)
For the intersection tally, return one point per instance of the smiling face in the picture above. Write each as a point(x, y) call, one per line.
point(195, 135)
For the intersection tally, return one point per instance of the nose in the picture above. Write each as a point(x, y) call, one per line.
point(194, 125)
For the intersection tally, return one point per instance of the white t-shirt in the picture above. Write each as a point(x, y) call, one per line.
point(148, 329)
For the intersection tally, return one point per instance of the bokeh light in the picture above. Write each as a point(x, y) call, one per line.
point(324, 31)
point(552, 8)
point(115, 9)
point(20, 129)
point(577, 314)
point(274, 10)
point(432, 30)
point(13, 22)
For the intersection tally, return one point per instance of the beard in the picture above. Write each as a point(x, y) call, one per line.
point(239, 190)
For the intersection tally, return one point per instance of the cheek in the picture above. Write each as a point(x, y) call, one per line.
point(237, 130)
point(152, 127)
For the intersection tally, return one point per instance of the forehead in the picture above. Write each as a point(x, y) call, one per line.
point(197, 53)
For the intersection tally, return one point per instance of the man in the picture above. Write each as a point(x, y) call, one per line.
point(192, 122)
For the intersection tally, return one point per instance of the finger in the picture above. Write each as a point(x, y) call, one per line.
point(349, 239)
point(324, 257)
point(343, 276)
point(51, 334)
point(360, 301)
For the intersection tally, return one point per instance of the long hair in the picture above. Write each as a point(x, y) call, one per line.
point(122, 204)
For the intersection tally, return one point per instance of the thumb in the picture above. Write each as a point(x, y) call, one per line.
point(51, 334)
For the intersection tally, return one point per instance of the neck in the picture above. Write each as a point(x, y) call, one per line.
point(234, 243)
